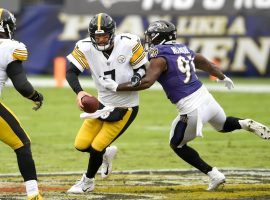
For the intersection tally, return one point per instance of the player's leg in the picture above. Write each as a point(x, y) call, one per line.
point(110, 132)
point(14, 136)
point(184, 129)
point(228, 124)
point(234, 123)
point(108, 156)
point(85, 136)
point(88, 131)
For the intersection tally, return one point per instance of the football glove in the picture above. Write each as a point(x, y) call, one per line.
point(108, 83)
point(136, 80)
point(228, 82)
point(37, 98)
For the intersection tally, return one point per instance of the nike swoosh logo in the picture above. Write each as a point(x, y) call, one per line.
point(84, 190)
point(107, 171)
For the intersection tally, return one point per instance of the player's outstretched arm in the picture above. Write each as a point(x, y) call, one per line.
point(18, 77)
point(203, 64)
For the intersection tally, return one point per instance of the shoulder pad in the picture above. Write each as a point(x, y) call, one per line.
point(19, 51)
point(84, 45)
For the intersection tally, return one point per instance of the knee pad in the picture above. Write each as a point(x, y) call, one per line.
point(81, 146)
point(179, 132)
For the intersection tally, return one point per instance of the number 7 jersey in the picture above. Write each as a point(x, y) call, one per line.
point(127, 54)
point(180, 79)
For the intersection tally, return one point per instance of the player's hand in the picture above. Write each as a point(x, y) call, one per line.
point(108, 83)
point(228, 82)
point(37, 98)
point(136, 80)
point(80, 95)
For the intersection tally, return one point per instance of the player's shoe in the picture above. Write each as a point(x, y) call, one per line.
point(216, 179)
point(35, 197)
point(255, 127)
point(83, 185)
point(106, 167)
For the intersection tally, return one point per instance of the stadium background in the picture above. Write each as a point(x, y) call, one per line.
point(235, 34)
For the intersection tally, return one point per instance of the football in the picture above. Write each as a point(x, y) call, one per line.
point(90, 104)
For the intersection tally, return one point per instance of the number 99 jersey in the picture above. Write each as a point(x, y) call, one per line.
point(127, 54)
point(180, 79)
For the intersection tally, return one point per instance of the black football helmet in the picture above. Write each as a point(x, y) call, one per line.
point(100, 24)
point(159, 32)
point(7, 22)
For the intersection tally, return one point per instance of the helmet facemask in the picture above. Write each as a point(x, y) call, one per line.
point(102, 24)
point(103, 47)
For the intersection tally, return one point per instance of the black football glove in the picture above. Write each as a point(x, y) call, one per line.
point(37, 98)
point(136, 80)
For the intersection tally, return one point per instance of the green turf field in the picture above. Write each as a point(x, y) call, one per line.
point(145, 144)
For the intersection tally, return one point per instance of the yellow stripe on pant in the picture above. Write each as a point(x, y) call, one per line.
point(100, 134)
point(11, 132)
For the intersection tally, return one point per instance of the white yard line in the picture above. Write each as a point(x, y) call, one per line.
point(255, 171)
point(88, 83)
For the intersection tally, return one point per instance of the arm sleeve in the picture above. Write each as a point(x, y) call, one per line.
point(72, 78)
point(18, 77)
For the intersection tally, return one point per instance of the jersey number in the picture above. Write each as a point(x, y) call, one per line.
point(110, 73)
point(185, 65)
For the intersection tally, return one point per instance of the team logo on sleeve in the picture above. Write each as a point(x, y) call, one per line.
point(153, 52)
point(121, 59)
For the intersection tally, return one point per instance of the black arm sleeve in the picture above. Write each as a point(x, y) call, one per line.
point(72, 78)
point(18, 77)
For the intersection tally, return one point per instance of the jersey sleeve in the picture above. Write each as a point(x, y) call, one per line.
point(15, 50)
point(78, 58)
point(20, 53)
point(138, 55)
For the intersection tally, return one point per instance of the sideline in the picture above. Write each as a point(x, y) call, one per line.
point(219, 87)
point(243, 171)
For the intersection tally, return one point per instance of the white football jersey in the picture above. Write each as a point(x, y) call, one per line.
point(127, 54)
point(10, 50)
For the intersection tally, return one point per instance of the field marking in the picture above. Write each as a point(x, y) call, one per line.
point(88, 83)
point(233, 171)
point(242, 184)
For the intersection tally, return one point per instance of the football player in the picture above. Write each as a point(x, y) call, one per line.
point(119, 57)
point(13, 53)
point(174, 65)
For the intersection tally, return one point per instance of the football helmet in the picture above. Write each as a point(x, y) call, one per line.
point(159, 32)
point(100, 24)
point(7, 22)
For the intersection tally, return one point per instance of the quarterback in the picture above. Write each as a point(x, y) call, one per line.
point(118, 57)
point(174, 65)
point(13, 53)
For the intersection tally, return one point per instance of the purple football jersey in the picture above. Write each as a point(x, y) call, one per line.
point(180, 79)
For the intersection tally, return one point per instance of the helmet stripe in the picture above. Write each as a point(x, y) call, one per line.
point(1, 11)
point(99, 21)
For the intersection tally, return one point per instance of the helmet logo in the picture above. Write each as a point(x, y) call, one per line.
point(121, 59)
